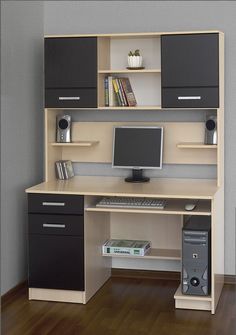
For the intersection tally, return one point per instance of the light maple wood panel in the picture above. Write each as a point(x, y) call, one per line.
point(135, 35)
point(154, 253)
point(97, 269)
point(51, 154)
point(116, 186)
point(173, 207)
point(174, 133)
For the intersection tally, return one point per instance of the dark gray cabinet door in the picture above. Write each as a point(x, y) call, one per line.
point(71, 72)
point(56, 262)
point(71, 62)
point(190, 61)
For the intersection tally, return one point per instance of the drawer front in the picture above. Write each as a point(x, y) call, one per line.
point(203, 97)
point(56, 204)
point(51, 224)
point(56, 262)
point(71, 98)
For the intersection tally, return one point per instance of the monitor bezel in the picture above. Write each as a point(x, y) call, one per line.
point(137, 167)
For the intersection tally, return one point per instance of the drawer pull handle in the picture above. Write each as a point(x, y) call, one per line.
point(197, 97)
point(69, 98)
point(46, 203)
point(53, 225)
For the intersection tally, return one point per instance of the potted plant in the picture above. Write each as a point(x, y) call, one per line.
point(134, 59)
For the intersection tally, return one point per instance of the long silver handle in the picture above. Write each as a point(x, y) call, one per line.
point(47, 203)
point(197, 97)
point(53, 225)
point(69, 98)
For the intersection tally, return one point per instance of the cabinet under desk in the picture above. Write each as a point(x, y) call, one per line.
point(161, 226)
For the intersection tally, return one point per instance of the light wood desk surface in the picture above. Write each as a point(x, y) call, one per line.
point(116, 186)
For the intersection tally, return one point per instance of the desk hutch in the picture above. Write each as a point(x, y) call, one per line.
point(183, 71)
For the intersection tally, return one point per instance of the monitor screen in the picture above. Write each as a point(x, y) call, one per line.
point(138, 147)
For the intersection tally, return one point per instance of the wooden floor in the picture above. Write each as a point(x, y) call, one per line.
point(123, 306)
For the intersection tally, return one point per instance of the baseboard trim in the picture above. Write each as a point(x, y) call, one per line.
point(9, 295)
point(230, 279)
point(147, 274)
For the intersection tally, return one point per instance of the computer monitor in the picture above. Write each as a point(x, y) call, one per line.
point(137, 148)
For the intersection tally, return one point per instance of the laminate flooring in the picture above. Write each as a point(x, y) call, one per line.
point(123, 306)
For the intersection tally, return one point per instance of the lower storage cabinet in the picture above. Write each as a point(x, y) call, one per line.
point(56, 252)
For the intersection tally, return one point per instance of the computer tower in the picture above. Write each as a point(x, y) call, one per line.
point(196, 256)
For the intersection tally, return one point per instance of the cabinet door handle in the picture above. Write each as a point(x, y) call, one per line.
point(197, 97)
point(46, 203)
point(53, 225)
point(69, 98)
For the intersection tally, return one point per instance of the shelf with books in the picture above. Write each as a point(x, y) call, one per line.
point(113, 62)
point(129, 90)
point(137, 107)
point(113, 71)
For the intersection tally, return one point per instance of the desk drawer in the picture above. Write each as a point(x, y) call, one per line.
point(56, 224)
point(199, 97)
point(71, 98)
point(55, 204)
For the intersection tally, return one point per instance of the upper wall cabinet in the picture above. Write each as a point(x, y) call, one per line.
point(71, 72)
point(190, 70)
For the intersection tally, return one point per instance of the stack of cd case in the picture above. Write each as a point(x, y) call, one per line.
point(126, 247)
point(64, 169)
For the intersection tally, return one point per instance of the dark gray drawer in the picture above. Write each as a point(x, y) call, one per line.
point(56, 204)
point(194, 97)
point(51, 224)
point(71, 98)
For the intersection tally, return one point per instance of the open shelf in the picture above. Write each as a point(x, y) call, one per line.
point(75, 144)
point(130, 71)
point(196, 145)
point(154, 253)
point(173, 206)
point(139, 107)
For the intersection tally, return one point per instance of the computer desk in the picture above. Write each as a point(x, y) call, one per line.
point(97, 221)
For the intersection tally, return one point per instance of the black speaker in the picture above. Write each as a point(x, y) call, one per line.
point(211, 130)
point(196, 256)
point(63, 133)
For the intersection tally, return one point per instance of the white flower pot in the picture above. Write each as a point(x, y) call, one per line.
point(135, 61)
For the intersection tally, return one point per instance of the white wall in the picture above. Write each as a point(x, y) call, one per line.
point(21, 129)
point(68, 17)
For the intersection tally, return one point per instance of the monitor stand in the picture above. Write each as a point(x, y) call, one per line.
point(137, 177)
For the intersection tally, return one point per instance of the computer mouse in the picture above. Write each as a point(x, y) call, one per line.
point(190, 207)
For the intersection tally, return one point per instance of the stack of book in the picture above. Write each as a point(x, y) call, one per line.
point(118, 92)
point(64, 169)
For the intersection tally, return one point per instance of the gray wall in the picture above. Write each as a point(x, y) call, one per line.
point(68, 17)
point(21, 128)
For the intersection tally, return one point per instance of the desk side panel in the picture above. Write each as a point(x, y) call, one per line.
point(217, 247)
point(96, 232)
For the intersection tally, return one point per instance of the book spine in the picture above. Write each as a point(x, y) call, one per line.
point(106, 91)
point(123, 92)
point(112, 94)
point(120, 93)
point(129, 92)
point(57, 170)
point(62, 170)
point(116, 89)
point(65, 170)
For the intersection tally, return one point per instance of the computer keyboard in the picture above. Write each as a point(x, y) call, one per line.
point(127, 202)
